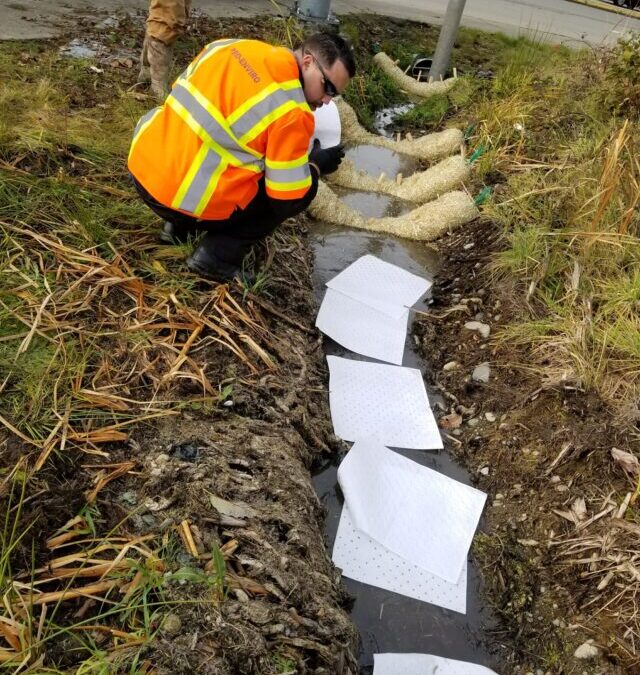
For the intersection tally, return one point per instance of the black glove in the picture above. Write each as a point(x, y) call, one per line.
point(326, 159)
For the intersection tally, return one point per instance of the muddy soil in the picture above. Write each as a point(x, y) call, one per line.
point(535, 446)
point(239, 475)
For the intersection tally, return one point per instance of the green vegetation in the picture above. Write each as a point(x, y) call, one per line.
point(96, 325)
point(102, 329)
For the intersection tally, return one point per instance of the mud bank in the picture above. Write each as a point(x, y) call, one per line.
point(535, 446)
point(240, 476)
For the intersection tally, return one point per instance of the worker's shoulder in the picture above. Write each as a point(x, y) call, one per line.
point(279, 60)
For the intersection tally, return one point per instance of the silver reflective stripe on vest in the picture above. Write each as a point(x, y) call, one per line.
point(200, 183)
point(212, 126)
point(294, 175)
point(263, 108)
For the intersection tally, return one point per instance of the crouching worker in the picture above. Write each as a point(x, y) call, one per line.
point(228, 151)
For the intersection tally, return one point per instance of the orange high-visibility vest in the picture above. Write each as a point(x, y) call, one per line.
point(238, 112)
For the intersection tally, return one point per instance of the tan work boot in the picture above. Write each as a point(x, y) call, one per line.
point(159, 56)
point(144, 75)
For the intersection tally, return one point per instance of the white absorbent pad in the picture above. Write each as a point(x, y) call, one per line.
point(381, 285)
point(376, 400)
point(424, 517)
point(328, 127)
point(365, 560)
point(424, 664)
point(361, 328)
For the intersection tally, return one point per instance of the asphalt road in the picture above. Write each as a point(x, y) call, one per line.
point(549, 20)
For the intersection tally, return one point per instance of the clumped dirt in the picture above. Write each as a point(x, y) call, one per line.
point(289, 600)
point(238, 474)
point(536, 446)
point(285, 598)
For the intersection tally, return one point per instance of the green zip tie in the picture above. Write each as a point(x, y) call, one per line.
point(485, 193)
point(476, 154)
point(468, 131)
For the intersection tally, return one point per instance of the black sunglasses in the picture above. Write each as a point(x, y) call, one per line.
point(329, 88)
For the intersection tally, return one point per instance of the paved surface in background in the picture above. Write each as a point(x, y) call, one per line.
point(550, 20)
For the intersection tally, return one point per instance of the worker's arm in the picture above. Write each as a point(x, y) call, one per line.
point(291, 183)
point(287, 208)
point(291, 174)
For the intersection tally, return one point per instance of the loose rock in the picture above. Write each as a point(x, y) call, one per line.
point(482, 328)
point(481, 373)
point(586, 651)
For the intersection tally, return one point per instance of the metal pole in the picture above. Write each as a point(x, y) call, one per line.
point(315, 10)
point(446, 39)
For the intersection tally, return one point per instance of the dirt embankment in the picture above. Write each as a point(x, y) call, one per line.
point(283, 601)
point(221, 564)
point(542, 451)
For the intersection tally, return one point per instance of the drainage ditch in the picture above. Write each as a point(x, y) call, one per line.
point(389, 622)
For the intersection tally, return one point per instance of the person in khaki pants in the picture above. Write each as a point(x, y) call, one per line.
point(166, 22)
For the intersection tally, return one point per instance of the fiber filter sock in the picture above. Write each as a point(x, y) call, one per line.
point(408, 84)
point(420, 187)
point(425, 223)
point(431, 147)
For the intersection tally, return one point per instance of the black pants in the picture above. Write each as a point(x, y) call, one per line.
point(230, 240)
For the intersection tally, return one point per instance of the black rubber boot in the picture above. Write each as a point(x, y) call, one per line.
point(204, 262)
point(170, 234)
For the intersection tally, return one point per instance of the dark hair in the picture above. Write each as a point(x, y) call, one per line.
point(329, 48)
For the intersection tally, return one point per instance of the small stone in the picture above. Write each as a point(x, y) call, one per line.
point(499, 496)
point(484, 471)
point(158, 504)
point(490, 417)
point(555, 479)
point(481, 373)
point(468, 246)
point(482, 328)
point(241, 596)
point(171, 624)
point(586, 651)
point(473, 422)
point(452, 421)
point(451, 365)
point(187, 452)
point(129, 497)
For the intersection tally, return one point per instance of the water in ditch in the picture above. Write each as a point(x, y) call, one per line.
point(389, 622)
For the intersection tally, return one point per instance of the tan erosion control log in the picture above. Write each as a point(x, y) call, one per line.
point(431, 147)
point(419, 187)
point(408, 84)
point(425, 223)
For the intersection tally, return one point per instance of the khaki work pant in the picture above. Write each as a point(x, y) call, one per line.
point(167, 19)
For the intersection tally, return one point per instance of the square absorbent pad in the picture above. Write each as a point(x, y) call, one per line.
point(365, 560)
point(361, 328)
point(424, 517)
point(376, 400)
point(424, 664)
point(381, 285)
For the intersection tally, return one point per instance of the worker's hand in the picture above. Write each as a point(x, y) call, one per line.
point(326, 159)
